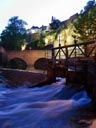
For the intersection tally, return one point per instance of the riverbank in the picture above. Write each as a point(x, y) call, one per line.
point(16, 78)
point(32, 69)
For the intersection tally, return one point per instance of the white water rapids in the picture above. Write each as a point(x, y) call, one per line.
point(51, 106)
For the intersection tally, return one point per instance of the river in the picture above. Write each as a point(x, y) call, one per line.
point(50, 106)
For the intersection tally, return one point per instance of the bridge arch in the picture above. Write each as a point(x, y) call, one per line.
point(17, 63)
point(41, 63)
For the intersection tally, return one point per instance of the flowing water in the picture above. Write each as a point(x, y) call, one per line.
point(51, 106)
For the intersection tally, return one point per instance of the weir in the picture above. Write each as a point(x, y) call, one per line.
point(79, 61)
point(75, 56)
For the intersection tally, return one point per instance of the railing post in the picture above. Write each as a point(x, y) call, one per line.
point(53, 54)
point(66, 64)
point(75, 42)
point(59, 51)
point(86, 50)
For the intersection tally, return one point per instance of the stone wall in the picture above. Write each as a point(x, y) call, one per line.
point(29, 56)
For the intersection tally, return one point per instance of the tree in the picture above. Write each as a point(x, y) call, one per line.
point(85, 25)
point(55, 23)
point(14, 35)
point(90, 4)
point(32, 45)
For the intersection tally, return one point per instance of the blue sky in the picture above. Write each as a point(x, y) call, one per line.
point(38, 12)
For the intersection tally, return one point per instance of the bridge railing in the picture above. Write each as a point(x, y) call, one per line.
point(85, 49)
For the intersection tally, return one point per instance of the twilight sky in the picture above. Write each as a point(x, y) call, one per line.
point(38, 12)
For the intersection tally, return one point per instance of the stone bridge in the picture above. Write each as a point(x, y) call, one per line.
point(29, 56)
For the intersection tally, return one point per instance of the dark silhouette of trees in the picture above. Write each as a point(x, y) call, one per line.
point(55, 23)
point(14, 35)
point(90, 4)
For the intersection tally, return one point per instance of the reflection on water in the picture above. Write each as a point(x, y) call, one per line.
point(50, 106)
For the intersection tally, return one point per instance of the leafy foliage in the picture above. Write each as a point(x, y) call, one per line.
point(85, 25)
point(14, 35)
point(32, 45)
